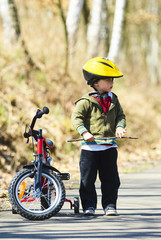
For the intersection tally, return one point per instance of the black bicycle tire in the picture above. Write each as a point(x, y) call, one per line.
point(34, 216)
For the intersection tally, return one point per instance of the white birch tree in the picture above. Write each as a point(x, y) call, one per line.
point(10, 21)
point(153, 46)
point(104, 34)
point(12, 31)
point(94, 28)
point(117, 29)
point(72, 22)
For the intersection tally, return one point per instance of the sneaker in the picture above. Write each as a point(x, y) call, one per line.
point(110, 211)
point(89, 212)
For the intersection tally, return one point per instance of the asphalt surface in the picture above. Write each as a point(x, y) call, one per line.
point(139, 208)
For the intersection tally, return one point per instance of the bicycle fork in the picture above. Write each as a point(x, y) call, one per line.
point(38, 181)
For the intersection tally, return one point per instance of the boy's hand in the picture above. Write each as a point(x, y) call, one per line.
point(120, 132)
point(88, 137)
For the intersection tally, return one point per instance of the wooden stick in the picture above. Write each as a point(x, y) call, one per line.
point(99, 138)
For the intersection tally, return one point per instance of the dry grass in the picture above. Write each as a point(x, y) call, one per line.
point(23, 90)
point(142, 108)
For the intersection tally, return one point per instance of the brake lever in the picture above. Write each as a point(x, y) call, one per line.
point(27, 141)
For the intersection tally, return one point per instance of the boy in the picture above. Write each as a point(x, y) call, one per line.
point(99, 118)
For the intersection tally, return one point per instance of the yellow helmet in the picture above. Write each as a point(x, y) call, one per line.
point(100, 68)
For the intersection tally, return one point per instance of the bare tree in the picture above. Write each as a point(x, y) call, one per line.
point(117, 29)
point(94, 28)
point(72, 22)
point(12, 30)
point(10, 21)
point(153, 44)
point(65, 32)
point(104, 34)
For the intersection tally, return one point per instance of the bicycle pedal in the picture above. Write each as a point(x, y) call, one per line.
point(64, 176)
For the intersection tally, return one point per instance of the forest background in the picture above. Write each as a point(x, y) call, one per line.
point(45, 43)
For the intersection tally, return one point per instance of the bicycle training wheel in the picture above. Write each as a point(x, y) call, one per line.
point(76, 204)
point(32, 205)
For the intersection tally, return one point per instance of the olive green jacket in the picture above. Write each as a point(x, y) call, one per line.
point(89, 116)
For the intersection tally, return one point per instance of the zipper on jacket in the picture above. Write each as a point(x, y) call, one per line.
point(106, 119)
point(106, 130)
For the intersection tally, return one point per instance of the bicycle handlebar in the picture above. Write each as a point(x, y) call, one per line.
point(38, 114)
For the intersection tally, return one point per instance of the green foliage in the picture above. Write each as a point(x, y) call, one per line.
point(40, 77)
point(21, 78)
point(68, 148)
point(2, 110)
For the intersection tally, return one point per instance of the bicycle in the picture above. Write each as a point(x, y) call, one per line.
point(37, 191)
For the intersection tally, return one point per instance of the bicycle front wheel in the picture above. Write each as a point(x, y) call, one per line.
point(33, 205)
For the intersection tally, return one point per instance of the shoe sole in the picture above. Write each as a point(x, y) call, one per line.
point(111, 213)
point(89, 214)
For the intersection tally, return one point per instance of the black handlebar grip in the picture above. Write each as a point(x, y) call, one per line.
point(45, 110)
point(41, 112)
point(26, 135)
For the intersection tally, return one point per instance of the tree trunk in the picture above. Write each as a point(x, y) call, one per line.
point(153, 47)
point(66, 34)
point(94, 28)
point(117, 29)
point(11, 25)
point(12, 30)
point(104, 34)
point(72, 21)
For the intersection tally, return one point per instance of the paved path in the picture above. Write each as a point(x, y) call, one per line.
point(139, 207)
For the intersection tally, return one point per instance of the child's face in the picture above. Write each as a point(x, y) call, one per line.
point(104, 85)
